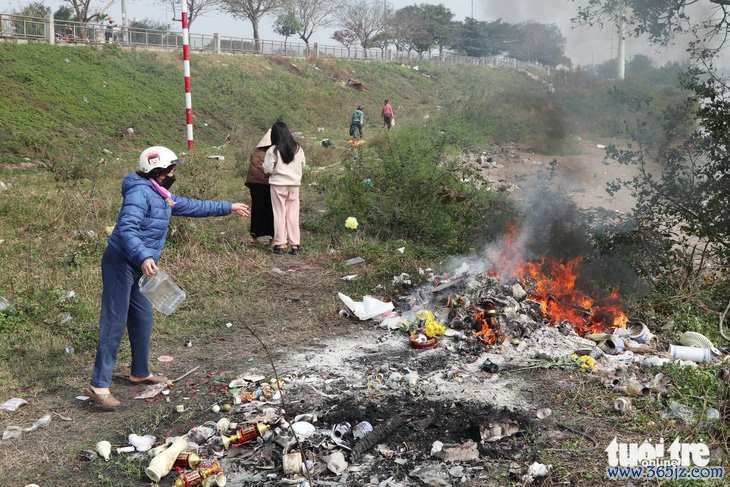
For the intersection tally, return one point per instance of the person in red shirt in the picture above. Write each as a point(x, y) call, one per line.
point(387, 114)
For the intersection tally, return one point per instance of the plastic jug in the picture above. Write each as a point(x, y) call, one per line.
point(162, 292)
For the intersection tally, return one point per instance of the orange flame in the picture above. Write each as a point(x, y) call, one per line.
point(552, 283)
point(487, 333)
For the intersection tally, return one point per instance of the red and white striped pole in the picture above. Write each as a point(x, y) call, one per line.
point(186, 70)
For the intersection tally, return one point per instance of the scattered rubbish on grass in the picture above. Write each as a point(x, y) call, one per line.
point(543, 413)
point(5, 304)
point(677, 410)
point(355, 261)
point(350, 277)
point(622, 404)
point(403, 279)
point(153, 390)
point(712, 414)
point(13, 404)
point(165, 358)
point(104, 450)
point(351, 223)
point(141, 443)
point(536, 470)
point(357, 85)
point(217, 158)
point(693, 354)
point(69, 350)
point(16, 431)
point(88, 454)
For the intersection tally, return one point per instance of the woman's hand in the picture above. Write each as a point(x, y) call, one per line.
point(149, 268)
point(241, 209)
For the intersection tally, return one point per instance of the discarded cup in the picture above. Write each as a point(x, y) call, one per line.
point(69, 350)
point(162, 292)
point(292, 463)
point(361, 429)
point(341, 430)
point(638, 331)
point(622, 404)
point(612, 346)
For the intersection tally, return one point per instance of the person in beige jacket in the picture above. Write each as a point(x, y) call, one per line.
point(284, 162)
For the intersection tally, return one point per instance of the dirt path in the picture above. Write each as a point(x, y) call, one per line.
point(583, 177)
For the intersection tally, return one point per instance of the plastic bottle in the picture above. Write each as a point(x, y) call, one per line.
point(162, 292)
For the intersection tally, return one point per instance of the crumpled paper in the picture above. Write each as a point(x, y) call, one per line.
point(141, 443)
point(368, 308)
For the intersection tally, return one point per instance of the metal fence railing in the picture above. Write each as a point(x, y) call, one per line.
point(19, 28)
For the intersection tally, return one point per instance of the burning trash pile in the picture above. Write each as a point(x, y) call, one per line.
point(498, 308)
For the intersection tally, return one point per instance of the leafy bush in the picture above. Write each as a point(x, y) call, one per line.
point(403, 191)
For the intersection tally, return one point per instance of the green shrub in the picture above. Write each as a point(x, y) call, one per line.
point(403, 191)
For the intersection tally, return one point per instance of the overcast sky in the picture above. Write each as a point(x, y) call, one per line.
point(584, 45)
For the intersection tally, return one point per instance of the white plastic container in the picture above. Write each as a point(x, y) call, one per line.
point(162, 292)
point(692, 354)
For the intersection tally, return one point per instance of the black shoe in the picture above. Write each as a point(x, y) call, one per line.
point(294, 250)
point(278, 250)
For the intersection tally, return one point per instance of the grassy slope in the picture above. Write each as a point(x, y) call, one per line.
point(74, 101)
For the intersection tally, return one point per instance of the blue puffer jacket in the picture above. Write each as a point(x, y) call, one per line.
point(141, 229)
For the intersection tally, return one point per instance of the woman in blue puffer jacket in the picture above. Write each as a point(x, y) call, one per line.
point(134, 247)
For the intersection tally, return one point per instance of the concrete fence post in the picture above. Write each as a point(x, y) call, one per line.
point(315, 50)
point(390, 55)
point(217, 43)
point(50, 30)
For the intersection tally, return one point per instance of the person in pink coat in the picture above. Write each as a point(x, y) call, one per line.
point(284, 162)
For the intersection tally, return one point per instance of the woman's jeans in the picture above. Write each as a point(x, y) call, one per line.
point(122, 306)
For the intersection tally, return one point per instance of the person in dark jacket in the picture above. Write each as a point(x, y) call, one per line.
point(257, 181)
point(134, 248)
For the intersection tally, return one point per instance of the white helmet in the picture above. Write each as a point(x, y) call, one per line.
point(157, 157)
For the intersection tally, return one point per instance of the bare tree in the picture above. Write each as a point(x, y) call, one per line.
point(312, 15)
point(196, 8)
point(82, 10)
point(253, 10)
point(365, 18)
